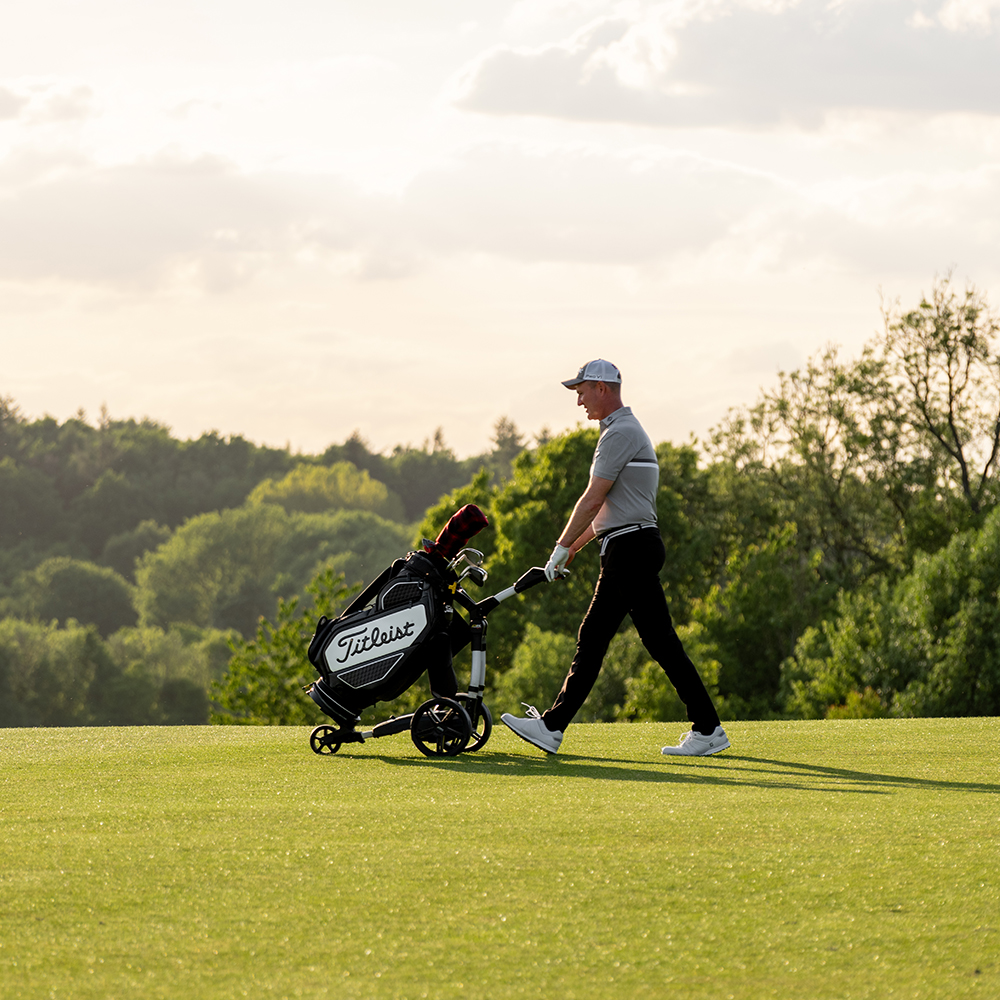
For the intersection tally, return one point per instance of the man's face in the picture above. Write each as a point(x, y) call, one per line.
point(592, 396)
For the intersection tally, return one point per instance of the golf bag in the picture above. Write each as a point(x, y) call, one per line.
point(401, 625)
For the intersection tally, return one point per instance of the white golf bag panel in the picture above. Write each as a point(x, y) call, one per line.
point(363, 652)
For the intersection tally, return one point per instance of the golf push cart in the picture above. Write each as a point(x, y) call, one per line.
point(403, 624)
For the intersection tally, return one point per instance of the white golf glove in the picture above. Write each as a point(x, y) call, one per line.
point(557, 562)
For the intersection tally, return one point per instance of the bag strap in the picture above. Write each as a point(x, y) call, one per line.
point(371, 591)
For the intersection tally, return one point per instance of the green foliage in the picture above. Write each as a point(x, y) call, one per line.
point(124, 550)
point(226, 570)
point(179, 653)
point(30, 504)
point(692, 512)
point(942, 383)
point(838, 480)
point(61, 589)
point(264, 683)
point(507, 443)
point(927, 645)
point(132, 468)
point(801, 456)
point(419, 476)
point(649, 696)
point(314, 489)
point(536, 674)
point(112, 505)
point(68, 675)
point(880, 458)
point(216, 571)
point(353, 542)
point(51, 676)
point(859, 705)
point(750, 623)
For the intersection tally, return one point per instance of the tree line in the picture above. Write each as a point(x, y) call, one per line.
point(118, 537)
point(832, 548)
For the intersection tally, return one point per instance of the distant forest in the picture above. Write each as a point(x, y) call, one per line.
point(122, 530)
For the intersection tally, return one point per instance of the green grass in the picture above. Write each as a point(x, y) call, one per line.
point(834, 859)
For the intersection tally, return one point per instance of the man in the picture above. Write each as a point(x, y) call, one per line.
point(619, 509)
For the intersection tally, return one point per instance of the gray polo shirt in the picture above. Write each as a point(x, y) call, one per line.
point(625, 455)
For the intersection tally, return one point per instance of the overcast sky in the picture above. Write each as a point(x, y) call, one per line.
point(293, 220)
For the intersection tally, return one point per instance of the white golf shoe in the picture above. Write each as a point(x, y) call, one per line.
point(533, 730)
point(695, 744)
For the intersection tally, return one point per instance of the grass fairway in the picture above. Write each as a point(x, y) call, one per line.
point(832, 859)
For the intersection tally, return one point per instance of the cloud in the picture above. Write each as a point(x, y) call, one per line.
point(731, 63)
point(11, 104)
point(167, 223)
point(72, 104)
point(582, 205)
point(968, 15)
point(203, 221)
point(167, 220)
point(46, 102)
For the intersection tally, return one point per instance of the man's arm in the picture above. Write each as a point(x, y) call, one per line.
point(580, 529)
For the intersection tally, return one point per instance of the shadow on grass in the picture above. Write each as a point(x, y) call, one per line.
point(723, 770)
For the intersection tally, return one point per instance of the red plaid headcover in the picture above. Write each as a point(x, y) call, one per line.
point(462, 525)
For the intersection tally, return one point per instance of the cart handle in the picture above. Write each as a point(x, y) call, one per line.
point(526, 581)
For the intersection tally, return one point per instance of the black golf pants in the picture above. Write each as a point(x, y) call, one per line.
point(629, 584)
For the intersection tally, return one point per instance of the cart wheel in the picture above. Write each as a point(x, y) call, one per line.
point(323, 739)
point(482, 721)
point(440, 728)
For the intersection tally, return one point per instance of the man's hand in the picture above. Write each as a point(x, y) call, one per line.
point(557, 562)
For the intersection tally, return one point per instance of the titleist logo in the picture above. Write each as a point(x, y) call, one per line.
point(356, 643)
point(386, 635)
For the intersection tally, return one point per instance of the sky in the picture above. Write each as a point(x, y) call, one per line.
point(296, 220)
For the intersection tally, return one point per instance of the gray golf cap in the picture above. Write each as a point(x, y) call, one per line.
point(595, 371)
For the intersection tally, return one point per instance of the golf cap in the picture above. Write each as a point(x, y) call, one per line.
point(595, 371)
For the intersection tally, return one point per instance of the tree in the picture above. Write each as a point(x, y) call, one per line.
point(122, 551)
point(536, 672)
point(540, 663)
point(179, 653)
point(693, 514)
point(60, 589)
point(803, 455)
point(750, 623)
point(226, 570)
point(927, 644)
point(649, 696)
point(419, 476)
point(65, 676)
point(874, 461)
point(314, 489)
point(109, 507)
point(879, 458)
point(507, 443)
point(216, 571)
point(30, 504)
point(942, 376)
point(264, 683)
